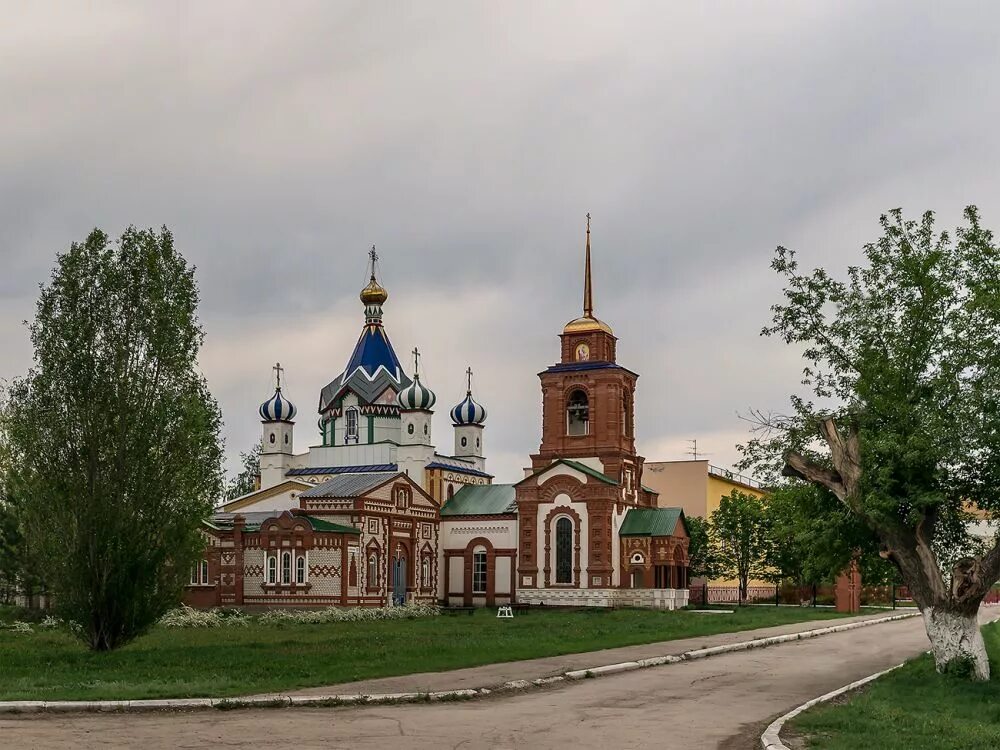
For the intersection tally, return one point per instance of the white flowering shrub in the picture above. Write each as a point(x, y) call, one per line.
point(353, 614)
point(51, 623)
point(21, 627)
point(186, 617)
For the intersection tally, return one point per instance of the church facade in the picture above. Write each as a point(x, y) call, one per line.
point(375, 515)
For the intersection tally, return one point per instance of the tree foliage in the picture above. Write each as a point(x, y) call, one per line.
point(741, 538)
point(246, 480)
point(112, 437)
point(903, 424)
point(701, 556)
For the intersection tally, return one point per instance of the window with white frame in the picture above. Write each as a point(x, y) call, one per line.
point(272, 569)
point(300, 569)
point(286, 567)
point(479, 571)
point(425, 573)
point(351, 425)
point(199, 574)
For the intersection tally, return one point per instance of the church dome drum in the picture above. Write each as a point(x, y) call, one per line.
point(416, 397)
point(469, 411)
point(277, 409)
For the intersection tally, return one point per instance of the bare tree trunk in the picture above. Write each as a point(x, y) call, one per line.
point(955, 637)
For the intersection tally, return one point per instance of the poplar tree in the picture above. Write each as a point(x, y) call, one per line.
point(112, 438)
point(903, 424)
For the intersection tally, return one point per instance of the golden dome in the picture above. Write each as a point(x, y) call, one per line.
point(374, 293)
point(586, 324)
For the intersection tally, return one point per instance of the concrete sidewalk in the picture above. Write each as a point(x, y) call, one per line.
point(491, 675)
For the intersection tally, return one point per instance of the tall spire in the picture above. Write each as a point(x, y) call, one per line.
point(588, 295)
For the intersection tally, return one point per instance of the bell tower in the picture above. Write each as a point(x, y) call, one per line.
point(588, 399)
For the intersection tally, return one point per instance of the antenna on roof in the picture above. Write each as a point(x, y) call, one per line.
point(694, 449)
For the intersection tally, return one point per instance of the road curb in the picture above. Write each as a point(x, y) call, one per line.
point(279, 700)
point(771, 740)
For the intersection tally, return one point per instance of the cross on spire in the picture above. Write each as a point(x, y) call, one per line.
point(416, 362)
point(374, 259)
point(588, 296)
point(278, 369)
point(468, 376)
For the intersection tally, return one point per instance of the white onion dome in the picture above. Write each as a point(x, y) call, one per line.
point(416, 396)
point(469, 411)
point(277, 408)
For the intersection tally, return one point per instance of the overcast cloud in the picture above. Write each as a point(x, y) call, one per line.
point(468, 140)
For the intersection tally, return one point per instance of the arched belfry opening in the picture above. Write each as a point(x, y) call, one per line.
point(578, 413)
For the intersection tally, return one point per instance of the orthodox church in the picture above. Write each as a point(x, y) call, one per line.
point(375, 515)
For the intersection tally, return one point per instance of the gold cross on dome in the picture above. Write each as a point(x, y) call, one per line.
point(468, 374)
point(278, 369)
point(416, 362)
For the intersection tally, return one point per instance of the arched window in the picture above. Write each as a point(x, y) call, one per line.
point(425, 572)
point(479, 571)
point(286, 567)
point(204, 572)
point(300, 569)
point(451, 491)
point(564, 551)
point(578, 414)
point(372, 571)
point(351, 425)
point(272, 569)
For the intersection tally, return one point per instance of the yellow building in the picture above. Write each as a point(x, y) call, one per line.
point(698, 488)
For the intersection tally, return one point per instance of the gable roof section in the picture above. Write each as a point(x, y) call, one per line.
point(651, 522)
point(350, 485)
point(574, 465)
point(481, 500)
point(257, 495)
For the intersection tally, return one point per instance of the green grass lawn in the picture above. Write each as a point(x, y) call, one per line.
point(913, 708)
point(51, 665)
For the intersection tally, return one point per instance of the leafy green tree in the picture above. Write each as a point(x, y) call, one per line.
point(903, 426)
point(246, 481)
point(113, 437)
point(740, 538)
point(701, 558)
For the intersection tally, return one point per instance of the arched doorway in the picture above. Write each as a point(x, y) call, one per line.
point(399, 579)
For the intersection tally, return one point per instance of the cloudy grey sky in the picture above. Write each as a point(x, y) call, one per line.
point(468, 140)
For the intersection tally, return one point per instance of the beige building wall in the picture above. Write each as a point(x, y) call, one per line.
point(681, 484)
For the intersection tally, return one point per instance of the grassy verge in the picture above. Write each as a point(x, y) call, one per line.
point(51, 665)
point(912, 708)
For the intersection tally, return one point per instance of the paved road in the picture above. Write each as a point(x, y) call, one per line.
point(723, 701)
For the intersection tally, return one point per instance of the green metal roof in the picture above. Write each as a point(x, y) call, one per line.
point(651, 522)
point(579, 467)
point(319, 524)
point(481, 500)
point(588, 471)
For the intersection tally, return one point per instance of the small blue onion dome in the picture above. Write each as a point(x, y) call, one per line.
point(277, 408)
point(416, 396)
point(469, 411)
